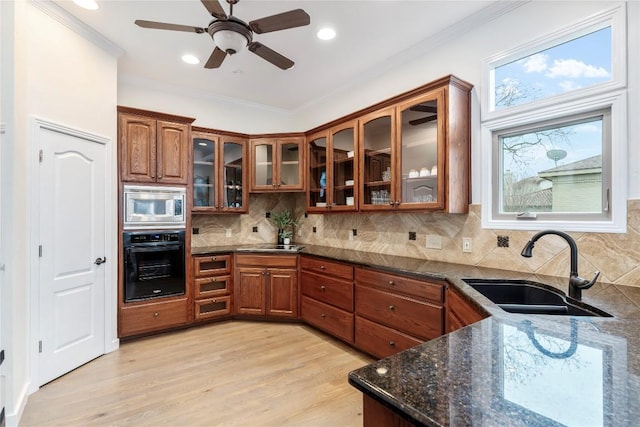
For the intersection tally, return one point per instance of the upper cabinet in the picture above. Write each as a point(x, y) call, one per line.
point(277, 164)
point(415, 153)
point(153, 149)
point(219, 173)
point(333, 169)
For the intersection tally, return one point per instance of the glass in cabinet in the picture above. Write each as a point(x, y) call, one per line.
point(277, 164)
point(333, 171)
point(376, 151)
point(219, 173)
point(420, 135)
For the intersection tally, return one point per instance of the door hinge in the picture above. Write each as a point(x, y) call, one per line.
point(40, 156)
point(40, 346)
point(40, 251)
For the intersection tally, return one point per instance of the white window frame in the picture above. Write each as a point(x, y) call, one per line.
point(608, 95)
point(615, 18)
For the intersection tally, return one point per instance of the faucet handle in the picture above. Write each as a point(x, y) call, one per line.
point(585, 284)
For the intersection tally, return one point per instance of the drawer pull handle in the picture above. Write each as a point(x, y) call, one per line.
point(156, 314)
point(392, 283)
point(323, 288)
point(322, 267)
point(323, 315)
point(392, 307)
point(392, 344)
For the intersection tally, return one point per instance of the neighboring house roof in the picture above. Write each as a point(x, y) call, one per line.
point(588, 165)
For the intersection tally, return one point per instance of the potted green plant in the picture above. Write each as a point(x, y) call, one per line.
point(285, 222)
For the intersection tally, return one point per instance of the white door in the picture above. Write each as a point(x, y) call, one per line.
point(72, 224)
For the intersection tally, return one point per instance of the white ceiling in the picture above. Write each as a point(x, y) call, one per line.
point(370, 35)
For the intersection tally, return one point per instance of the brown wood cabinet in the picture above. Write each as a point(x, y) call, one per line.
point(152, 149)
point(332, 169)
point(327, 299)
point(213, 283)
point(220, 173)
point(266, 285)
point(460, 312)
point(277, 164)
point(137, 319)
point(395, 312)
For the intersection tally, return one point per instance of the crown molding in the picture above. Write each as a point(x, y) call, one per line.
point(65, 18)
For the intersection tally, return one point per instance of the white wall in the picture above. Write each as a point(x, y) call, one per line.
point(62, 77)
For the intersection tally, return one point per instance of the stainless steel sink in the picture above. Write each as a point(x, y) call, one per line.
point(526, 297)
point(267, 247)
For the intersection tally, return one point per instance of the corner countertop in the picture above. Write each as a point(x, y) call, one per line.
point(508, 369)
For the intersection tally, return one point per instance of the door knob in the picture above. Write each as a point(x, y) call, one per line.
point(99, 261)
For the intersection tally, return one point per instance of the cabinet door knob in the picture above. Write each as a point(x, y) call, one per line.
point(392, 307)
point(392, 283)
point(323, 315)
point(397, 202)
point(322, 267)
point(391, 202)
point(262, 273)
point(156, 314)
point(392, 344)
point(323, 288)
point(267, 273)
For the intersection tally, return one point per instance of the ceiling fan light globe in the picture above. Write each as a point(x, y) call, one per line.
point(230, 41)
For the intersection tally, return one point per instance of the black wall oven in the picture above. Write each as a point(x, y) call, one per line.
point(153, 264)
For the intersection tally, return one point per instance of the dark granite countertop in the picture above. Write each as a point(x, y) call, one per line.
point(509, 369)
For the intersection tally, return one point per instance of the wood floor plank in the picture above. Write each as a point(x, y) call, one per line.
point(235, 373)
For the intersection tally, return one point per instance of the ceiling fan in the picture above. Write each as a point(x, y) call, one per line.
point(231, 34)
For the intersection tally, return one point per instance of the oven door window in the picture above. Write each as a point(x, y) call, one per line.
point(154, 271)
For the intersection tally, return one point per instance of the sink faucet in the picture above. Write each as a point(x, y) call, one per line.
point(576, 283)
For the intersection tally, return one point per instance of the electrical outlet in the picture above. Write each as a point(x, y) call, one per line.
point(195, 230)
point(267, 214)
point(503, 241)
point(467, 244)
point(351, 234)
point(227, 232)
point(412, 235)
point(255, 229)
point(434, 241)
point(314, 229)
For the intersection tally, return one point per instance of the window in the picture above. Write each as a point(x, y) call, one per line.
point(554, 131)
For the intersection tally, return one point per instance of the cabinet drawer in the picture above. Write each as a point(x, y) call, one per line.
point(328, 290)
point(267, 260)
point(323, 266)
point(417, 318)
point(381, 341)
point(212, 286)
point(152, 317)
point(401, 284)
point(330, 319)
point(211, 265)
point(213, 307)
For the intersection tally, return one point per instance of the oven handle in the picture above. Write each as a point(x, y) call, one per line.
point(155, 248)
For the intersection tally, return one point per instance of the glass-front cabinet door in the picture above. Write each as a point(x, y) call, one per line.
point(377, 170)
point(219, 173)
point(277, 164)
point(332, 169)
point(204, 176)
point(234, 194)
point(419, 184)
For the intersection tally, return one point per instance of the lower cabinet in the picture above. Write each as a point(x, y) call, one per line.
point(394, 312)
point(460, 313)
point(266, 285)
point(153, 316)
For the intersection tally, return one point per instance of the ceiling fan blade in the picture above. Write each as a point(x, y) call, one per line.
point(172, 27)
point(423, 120)
point(424, 108)
point(281, 21)
point(270, 55)
point(216, 58)
point(215, 8)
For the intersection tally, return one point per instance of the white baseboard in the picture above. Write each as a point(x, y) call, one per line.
point(13, 418)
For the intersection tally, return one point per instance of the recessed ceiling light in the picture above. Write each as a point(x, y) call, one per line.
point(190, 59)
point(87, 4)
point(326, 34)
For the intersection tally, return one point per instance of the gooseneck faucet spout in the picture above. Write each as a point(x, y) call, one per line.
point(576, 283)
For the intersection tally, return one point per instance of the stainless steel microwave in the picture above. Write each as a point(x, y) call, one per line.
point(153, 207)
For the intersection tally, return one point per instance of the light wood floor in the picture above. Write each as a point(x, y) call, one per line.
point(225, 374)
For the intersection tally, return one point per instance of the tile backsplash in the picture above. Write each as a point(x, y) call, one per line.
point(616, 256)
